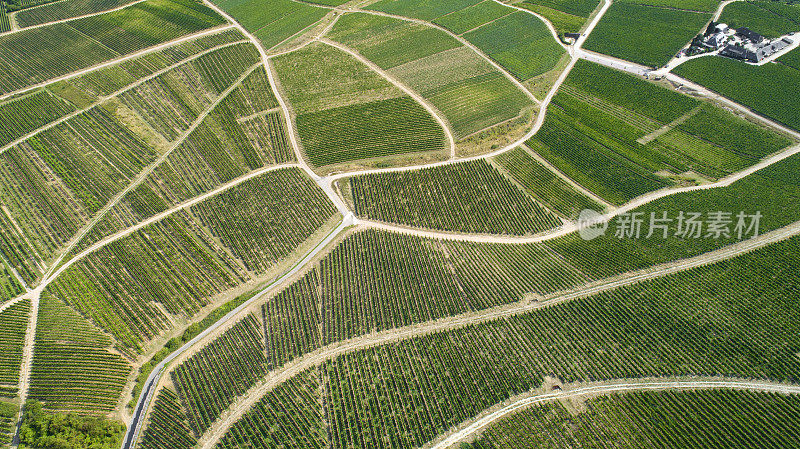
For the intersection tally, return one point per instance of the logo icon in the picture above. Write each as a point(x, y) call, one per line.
point(591, 224)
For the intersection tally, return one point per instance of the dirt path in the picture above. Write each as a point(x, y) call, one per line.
point(242, 404)
point(481, 422)
point(543, 19)
point(116, 61)
point(27, 360)
point(451, 142)
point(113, 95)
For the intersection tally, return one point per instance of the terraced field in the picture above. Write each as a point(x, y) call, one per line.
point(335, 125)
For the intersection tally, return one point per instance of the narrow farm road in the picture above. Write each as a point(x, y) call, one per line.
point(481, 422)
point(69, 19)
point(27, 360)
point(451, 142)
point(242, 404)
point(116, 61)
point(119, 92)
point(720, 8)
point(547, 23)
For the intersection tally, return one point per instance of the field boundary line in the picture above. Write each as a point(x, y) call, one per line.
point(119, 92)
point(69, 19)
point(546, 22)
point(479, 423)
point(412, 93)
point(116, 61)
point(244, 402)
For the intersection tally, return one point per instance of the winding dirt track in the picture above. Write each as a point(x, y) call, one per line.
point(483, 421)
point(69, 19)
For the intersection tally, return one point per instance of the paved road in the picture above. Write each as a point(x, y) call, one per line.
point(481, 423)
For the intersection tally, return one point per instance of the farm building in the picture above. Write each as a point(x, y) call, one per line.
point(750, 35)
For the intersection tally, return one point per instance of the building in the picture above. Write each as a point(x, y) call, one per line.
point(755, 53)
point(716, 40)
point(752, 36)
point(737, 52)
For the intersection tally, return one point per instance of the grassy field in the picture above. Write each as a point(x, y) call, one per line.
point(774, 88)
point(566, 16)
point(520, 42)
point(645, 35)
point(737, 419)
point(689, 5)
point(471, 197)
point(768, 18)
point(469, 92)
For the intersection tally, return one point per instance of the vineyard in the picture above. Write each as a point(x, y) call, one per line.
point(65, 10)
point(134, 286)
point(8, 415)
point(69, 170)
point(376, 281)
point(335, 125)
point(518, 41)
point(272, 21)
point(210, 380)
point(404, 394)
point(646, 35)
point(623, 147)
point(468, 91)
point(74, 366)
point(565, 15)
point(769, 19)
point(775, 88)
point(288, 416)
point(470, 197)
point(689, 419)
point(544, 185)
point(14, 321)
point(167, 427)
point(40, 54)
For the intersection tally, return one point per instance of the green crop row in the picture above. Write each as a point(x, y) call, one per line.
point(167, 427)
point(74, 368)
point(666, 419)
point(470, 197)
point(14, 322)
